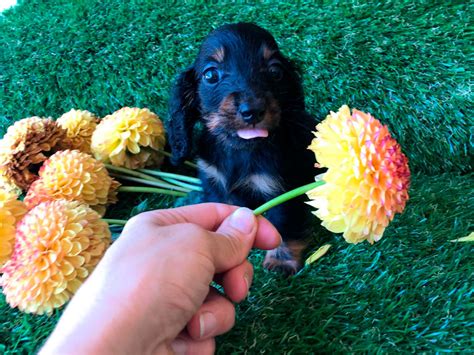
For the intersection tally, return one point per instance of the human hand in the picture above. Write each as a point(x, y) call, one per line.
point(151, 292)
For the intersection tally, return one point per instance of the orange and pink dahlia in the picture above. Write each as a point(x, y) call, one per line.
point(58, 244)
point(367, 179)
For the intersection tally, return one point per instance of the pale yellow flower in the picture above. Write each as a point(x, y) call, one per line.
point(367, 179)
point(79, 125)
point(58, 244)
point(130, 137)
point(7, 184)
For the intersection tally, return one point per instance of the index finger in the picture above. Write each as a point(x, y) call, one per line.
point(210, 216)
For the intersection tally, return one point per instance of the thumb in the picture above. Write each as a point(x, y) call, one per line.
point(236, 236)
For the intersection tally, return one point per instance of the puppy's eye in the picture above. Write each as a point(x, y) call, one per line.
point(275, 71)
point(211, 75)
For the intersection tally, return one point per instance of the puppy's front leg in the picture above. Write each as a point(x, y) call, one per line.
point(292, 221)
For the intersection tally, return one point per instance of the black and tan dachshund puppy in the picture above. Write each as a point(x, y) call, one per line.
point(256, 131)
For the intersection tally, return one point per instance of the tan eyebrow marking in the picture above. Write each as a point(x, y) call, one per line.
point(218, 55)
point(267, 52)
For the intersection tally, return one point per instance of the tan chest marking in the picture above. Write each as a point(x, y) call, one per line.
point(263, 183)
point(212, 173)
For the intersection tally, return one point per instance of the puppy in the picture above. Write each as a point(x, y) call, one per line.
point(253, 145)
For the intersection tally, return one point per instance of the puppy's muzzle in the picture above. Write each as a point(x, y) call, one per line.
point(252, 111)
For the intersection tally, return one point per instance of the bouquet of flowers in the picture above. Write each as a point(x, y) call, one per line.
point(67, 171)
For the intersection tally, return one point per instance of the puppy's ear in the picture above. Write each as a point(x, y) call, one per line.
point(184, 112)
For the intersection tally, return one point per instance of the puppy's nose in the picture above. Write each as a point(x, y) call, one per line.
point(252, 112)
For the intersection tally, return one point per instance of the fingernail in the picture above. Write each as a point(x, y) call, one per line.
point(178, 346)
point(243, 220)
point(207, 324)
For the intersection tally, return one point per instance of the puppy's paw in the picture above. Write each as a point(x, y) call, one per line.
point(285, 259)
point(285, 267)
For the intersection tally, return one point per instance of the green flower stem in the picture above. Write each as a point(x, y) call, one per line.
point(286, 196)
point(151, 190)
point(183, 184)
point(163, 184)
point(120, 222)
point(132, 173)
point(162, 174)
point(186, 162)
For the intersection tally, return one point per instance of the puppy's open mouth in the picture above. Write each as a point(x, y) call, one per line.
point(251, 133)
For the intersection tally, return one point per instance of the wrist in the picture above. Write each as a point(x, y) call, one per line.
point(99, 328)
point(108, 338)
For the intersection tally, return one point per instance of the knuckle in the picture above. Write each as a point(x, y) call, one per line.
point(156, 217)
point(145, 216)
point(137, 219)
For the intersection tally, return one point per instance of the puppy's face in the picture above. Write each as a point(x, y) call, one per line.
point(244, 83)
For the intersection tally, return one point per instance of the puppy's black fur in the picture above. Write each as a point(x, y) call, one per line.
point(241, 85)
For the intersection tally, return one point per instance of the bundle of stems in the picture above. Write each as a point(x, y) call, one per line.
point(168, 183)
point(155, 181)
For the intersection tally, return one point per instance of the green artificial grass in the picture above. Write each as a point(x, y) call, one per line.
point(405, 62)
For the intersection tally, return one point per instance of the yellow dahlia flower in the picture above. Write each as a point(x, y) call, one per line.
point(25, 146)
point(79, 126)
point(130, 137)
point(58, 244)
point(367, 179)
point(11, 211)
point(74, 176)
point(7, 184)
